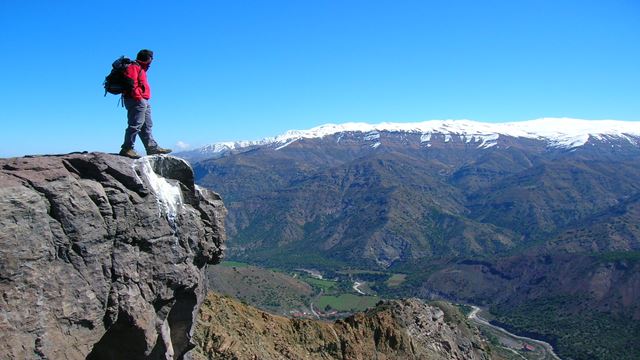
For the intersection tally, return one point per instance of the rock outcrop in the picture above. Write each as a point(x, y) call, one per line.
point(397, 329)
point(103, 257)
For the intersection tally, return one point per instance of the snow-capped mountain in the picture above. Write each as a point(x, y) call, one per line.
point(494, 187)
point(564, 133)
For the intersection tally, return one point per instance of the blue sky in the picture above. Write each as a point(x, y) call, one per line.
point(233, 70)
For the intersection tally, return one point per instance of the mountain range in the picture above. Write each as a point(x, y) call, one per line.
point(557, 132)
point(384, 194)
point(453, 204)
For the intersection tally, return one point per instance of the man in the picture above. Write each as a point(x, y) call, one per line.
point(138, 109)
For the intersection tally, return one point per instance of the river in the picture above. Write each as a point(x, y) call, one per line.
point(473, 316)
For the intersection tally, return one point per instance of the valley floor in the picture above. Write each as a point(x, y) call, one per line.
point(511, 345)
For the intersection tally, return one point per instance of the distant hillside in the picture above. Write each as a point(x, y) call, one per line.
point(394, 196)
point(263, 288)
point(615, 229)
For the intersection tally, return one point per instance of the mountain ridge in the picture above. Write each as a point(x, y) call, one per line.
point(565, 133)
point(397, 329)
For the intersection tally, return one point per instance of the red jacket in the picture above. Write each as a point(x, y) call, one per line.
point(138, 74)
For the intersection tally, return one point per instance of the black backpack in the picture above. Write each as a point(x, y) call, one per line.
point(117, 82)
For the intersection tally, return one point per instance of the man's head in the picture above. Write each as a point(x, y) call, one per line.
point(145, 56)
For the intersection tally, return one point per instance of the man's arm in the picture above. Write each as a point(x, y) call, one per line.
point(133, 72)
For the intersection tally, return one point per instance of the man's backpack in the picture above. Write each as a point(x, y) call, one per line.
point(117, 82)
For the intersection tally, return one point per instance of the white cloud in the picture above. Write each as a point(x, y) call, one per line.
point(181, 145)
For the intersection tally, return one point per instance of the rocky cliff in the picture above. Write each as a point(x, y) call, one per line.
point(103, 257)
point(397, 329)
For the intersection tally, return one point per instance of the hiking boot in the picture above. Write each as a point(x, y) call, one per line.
point(130, 153)
point(157, 150)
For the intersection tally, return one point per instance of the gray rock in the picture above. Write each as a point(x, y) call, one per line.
point(103, 258)
point(433, 336)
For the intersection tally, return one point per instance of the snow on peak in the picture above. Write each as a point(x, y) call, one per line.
point(558, 132)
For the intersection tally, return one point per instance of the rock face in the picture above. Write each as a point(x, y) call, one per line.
point(397, 329)
point(103, 257)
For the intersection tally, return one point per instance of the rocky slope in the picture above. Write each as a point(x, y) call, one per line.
point(407, 329)
point(103, 257)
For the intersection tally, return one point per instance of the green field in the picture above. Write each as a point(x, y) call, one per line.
point(325, 285)
point(279, 292)
point(347, 302)
point(396, 280)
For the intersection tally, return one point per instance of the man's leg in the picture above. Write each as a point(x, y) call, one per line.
point(146, 131)
point(135, 120)
point(146, 135)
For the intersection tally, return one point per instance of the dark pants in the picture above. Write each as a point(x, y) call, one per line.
point(140, 123)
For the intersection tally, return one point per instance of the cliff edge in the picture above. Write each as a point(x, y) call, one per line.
point(103, 257)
